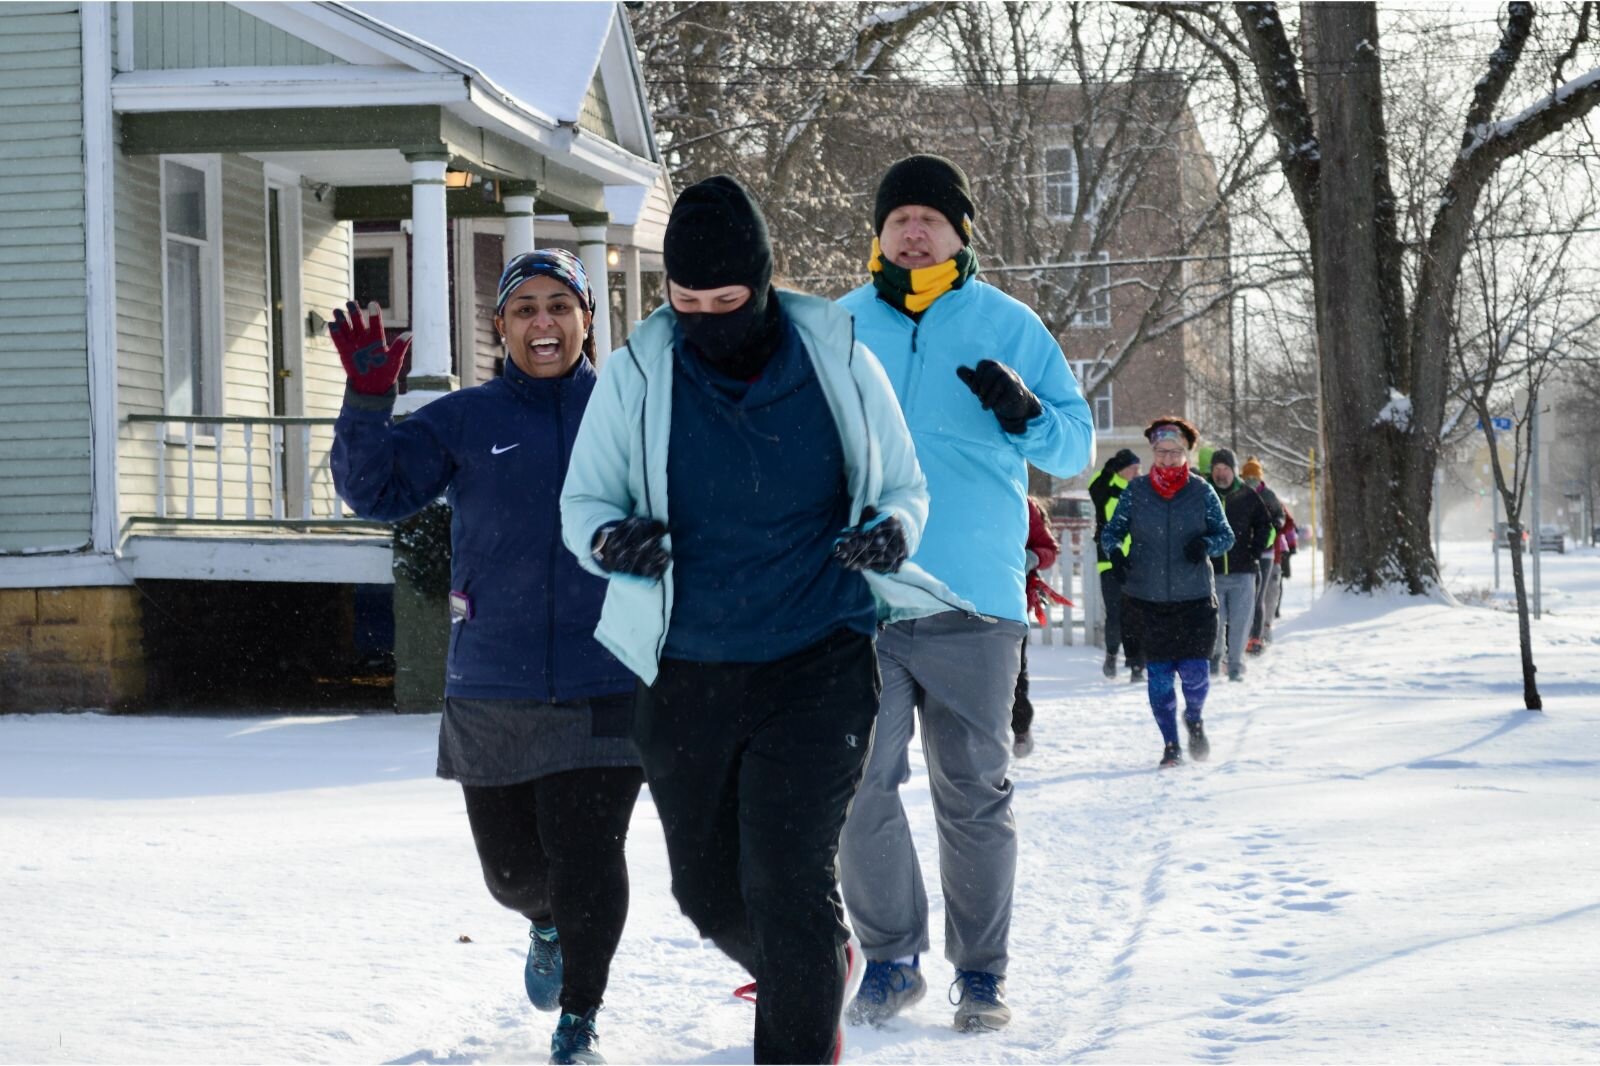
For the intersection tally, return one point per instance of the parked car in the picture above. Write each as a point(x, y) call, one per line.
point(1552, 539)
point(1071, 515)
point(1509, 537)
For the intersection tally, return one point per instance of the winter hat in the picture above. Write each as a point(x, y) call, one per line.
point(717, 236)
point(555, 263)
point(1251, 469)
point(1174, 428)
point(1223, 457)
point(931, 181)
point(1122, 460)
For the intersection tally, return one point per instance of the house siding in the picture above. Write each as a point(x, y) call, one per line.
point(247, 354)
point(180, 36)
point(45, 482)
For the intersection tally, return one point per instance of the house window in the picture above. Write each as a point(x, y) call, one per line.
point(1061, 184)
point(191, 209)
point(380, 274)
point(1101, 402)
point(1093, 310)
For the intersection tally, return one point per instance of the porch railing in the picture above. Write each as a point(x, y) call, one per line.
point(243, 470)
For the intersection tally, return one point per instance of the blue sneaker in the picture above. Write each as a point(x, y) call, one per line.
point(575, 1040)
point(981, 1002)
point(887, 988)
point(542, 975)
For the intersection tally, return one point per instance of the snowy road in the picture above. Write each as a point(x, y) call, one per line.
point(1384, 860)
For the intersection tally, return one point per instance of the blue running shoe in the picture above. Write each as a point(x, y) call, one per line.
point(575, 1040)
point(542, 975)
point(887, 988)
point(981, 1002)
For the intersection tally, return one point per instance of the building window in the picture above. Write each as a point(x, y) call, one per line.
point(380, 274)
point(1093, 309)
point(1061, 184)
point(191, 210)
point(1100, 403)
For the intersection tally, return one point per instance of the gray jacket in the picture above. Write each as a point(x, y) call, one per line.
point(1158, 570)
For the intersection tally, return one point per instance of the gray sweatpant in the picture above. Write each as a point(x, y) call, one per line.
point(1236, 608)
point(965, 671)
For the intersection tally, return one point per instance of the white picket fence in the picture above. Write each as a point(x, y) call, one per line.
point(1076, 577)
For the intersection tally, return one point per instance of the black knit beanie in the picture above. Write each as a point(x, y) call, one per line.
point(1225, 457)
point(717, 236)
point(931, 181)
point(1121, 461)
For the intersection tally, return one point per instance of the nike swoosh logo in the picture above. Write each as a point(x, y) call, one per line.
point(495, 449)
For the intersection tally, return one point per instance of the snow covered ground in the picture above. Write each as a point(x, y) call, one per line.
point(1385, 859)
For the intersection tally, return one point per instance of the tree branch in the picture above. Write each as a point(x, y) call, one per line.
point(1301, 155)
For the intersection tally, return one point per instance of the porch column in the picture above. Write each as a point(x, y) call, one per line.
point(517, 198)
point(592, 250)
point(430, 285)
point(632, 294)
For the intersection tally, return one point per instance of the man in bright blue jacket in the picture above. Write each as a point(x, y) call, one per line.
point(985, 391)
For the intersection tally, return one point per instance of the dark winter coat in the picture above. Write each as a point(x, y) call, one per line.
point(1252, 529)
point(1104, 492)
point(1158, 570)
point(498, 453)
point(1168, 601)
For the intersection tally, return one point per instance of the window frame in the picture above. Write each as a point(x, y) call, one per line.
point(1105, 394)
point(208, 398)
point(1098, 314)
point(398, 310)
point(1069, 209)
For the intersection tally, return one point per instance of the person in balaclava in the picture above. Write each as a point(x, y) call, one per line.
point(537, 715)
point(746, 482)
point(986, 391)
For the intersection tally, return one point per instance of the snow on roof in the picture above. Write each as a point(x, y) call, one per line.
point(544, 54)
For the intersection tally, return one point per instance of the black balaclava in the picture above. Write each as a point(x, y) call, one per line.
point(717, 236)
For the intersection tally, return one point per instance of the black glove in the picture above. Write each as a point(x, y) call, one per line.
point(1002, 392)
point(877, 543)
point(632, 546)
point(1195, 550)
point(1284, 566)
point(1119, 568)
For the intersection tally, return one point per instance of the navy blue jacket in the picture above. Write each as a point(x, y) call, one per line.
point(757, 493)
point(498, 453)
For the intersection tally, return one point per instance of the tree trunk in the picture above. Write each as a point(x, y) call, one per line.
point(1380, 468)
point(1530, 689)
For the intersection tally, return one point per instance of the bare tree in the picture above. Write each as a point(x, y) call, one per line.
point(1084, 116)
point(1527, 314)
point(1384, 329)
point(783, 96)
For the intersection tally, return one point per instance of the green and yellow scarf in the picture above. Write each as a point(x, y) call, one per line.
point(913, 291)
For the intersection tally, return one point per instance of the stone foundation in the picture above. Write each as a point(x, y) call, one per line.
point(70, 649)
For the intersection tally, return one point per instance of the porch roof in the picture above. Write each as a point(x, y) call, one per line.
point(485, 113)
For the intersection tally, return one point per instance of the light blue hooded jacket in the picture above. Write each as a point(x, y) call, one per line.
point(977, 472)
point(619, 468)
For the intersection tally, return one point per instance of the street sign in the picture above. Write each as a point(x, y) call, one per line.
point(1502, 424)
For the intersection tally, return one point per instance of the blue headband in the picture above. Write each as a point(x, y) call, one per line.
point(555, 263)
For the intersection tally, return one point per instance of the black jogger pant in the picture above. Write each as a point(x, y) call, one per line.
point(552, 849)
point(752, 767)
point(1021, 705)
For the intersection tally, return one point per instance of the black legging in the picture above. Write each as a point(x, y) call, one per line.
point(553, 850)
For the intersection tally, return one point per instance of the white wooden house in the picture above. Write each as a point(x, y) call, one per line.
point(187, 190)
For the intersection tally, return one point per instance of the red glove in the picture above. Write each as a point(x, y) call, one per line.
point(371, 361)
